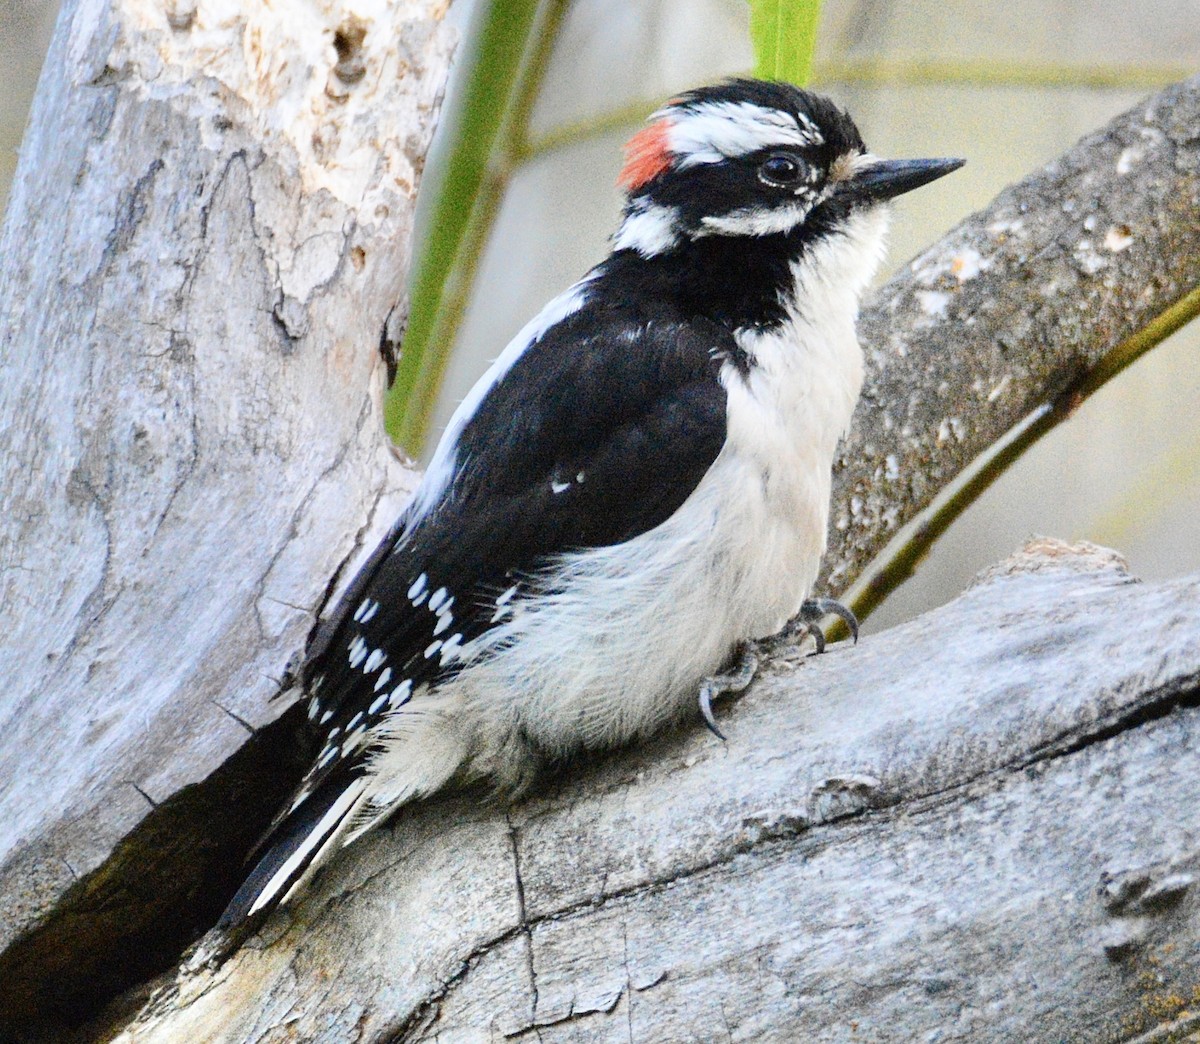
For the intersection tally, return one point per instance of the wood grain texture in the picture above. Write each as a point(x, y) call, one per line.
point(977, 826)
point(1011, 310)
point(205, 246)
point(208, 232)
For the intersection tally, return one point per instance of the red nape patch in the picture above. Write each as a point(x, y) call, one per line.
point(646, 155)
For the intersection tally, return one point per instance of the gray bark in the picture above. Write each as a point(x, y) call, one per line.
point(979, 826)
point(1012, 311)
point(204, 249)
point(208, 231)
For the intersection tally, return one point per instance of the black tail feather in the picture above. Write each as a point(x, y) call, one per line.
point(292, 849)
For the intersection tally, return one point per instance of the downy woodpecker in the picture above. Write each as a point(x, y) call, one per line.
point(638, 485)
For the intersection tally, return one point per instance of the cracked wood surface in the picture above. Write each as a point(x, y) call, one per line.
point(206, 236)
point(978, 826)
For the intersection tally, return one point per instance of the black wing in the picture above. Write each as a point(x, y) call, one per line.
point(604, 443)
point(591, 439)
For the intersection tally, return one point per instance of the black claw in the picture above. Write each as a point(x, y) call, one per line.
point(818, 636)
point(706, 694)
point(736, 679)
point(815, 608)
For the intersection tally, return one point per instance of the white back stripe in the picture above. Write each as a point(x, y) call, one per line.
point(445, 458)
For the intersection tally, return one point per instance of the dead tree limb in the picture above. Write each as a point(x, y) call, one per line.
point(978, 826)
point(206, 244)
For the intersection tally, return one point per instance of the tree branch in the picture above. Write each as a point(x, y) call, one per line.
point(209, 226)
point(978, 822)
point(204, 244)
point(1013, 311)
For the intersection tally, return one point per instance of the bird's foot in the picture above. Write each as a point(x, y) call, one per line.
point(808, 622)
point(750, 655)
point(740, 674)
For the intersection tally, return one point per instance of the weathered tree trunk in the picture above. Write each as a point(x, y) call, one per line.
point(207, 235)
point(204, 251)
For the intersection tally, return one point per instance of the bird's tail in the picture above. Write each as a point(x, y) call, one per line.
point(304, 838)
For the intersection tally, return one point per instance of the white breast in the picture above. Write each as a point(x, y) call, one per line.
point(621, 644)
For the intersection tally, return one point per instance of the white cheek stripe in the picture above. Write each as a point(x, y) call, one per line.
point(757, 221)
point(713, 131)
point(649, 229)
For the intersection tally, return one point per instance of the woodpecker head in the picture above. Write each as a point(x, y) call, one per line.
point(751, 158)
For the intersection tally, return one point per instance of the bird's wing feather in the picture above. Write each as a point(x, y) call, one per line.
point(605, 449)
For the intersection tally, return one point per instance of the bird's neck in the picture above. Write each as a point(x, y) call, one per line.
point(746, 282)
point(735, 281)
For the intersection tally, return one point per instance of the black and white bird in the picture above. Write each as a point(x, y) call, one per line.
point(639, 484)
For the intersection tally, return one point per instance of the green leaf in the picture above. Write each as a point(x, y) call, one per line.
point(784, 34)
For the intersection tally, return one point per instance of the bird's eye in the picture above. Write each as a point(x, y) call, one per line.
point(781, 170)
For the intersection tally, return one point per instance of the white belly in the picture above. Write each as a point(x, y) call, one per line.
point(620, 644)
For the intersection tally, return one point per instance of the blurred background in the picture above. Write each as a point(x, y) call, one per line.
point(1008, 86)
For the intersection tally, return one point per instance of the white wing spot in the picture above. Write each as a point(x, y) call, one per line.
point(378, 704)
point(358, 651)
point(444, 620)
point(433, 648)
point(314, 706)
point(384, 677)
point(579, 477)
point(371, 612)
point(353, 722)
point(366, 609)
point(507, 597)
point(437, 598)
point(418, 586)
point(325, 717)
point(452, 648)
point(327, 755)
point(374, 660)
point(559, 487)
point(400, 694)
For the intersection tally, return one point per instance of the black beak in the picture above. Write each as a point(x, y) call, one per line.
point(888, 178)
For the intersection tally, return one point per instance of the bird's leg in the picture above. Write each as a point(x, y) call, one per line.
point(744, 668)
point(808, 621)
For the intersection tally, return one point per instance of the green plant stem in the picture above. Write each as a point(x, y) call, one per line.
point(896, 563)
point(784, 35)
point(870, 73)
point(983, 73)
point(508, 59)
